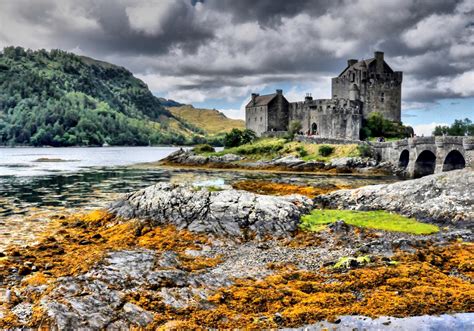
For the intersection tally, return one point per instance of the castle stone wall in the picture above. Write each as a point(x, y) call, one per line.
point(278, 113)
point(383, 95)
point(328, 118)
point(256, 119)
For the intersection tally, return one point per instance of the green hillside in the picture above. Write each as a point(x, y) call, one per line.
point(61, 99)
point(211, 121)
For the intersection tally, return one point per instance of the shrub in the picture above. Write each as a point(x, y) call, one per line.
point(293, 128)
point(238, 137)
point(378, 126)
point(204, 148)
point(325, 150)
point(365, 150)
point(301, 151)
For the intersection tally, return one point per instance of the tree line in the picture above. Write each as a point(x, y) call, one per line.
point(60, 99)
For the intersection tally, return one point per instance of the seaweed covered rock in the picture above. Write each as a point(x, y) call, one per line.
point(228, 212)
point(443, 197)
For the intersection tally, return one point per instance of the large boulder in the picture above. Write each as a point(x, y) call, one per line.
point(443, 197)
point(227, 212)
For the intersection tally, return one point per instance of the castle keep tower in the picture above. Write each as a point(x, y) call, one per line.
point(363, 87)
point(374, 83)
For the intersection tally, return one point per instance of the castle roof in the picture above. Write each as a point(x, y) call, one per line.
point(262, 100)
point(364, 65)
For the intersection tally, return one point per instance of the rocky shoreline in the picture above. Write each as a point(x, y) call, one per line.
point(181, 257)
point(362, 165)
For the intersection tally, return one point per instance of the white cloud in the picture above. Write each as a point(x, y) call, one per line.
point(149, 17)
point(462, 84)
point(434, 30)
point(426, 129)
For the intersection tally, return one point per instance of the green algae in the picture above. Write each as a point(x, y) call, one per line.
point(380, 220)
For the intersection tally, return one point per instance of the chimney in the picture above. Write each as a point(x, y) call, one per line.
point(279, 92)
point(254, 96)
point(351, 62)
point(379, 61)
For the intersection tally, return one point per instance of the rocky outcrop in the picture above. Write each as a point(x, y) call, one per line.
point(286, 163)
point(443, 197)
point(228, 212)
point(190, 158)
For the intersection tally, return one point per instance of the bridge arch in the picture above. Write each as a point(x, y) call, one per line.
point(404, 159)
point(425, 164)
point(454, 160)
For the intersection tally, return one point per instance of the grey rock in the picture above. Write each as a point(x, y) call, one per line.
point(463, 321)
point(97, 299)
point(228, 212)
point(23, 311)
point(136, 315)
point(443, 197)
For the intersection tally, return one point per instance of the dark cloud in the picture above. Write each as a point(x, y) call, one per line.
point(210, 46)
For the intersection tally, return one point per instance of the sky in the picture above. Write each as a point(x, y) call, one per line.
point(214, 53)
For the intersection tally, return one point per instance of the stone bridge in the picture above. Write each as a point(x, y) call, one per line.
point(421, 156)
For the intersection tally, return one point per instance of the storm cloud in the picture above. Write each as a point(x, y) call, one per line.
point(194, 51)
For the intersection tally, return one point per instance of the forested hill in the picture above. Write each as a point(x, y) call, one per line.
point(60, 99)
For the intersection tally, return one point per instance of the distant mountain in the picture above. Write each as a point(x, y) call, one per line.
point(61, 99)
point(211, 121)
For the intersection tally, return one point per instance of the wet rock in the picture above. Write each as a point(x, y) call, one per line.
point(443, 197)
point(228, 212)
point(137, 315)
point(288, 161)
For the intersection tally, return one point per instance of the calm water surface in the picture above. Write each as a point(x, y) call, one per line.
point(36, 183)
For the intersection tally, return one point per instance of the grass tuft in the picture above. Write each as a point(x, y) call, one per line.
point(380, 220)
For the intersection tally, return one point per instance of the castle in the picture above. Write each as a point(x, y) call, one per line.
point(363, 87)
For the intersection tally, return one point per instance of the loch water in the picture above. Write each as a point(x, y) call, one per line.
point(36, 183)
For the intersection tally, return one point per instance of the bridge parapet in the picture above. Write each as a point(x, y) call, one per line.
point(380, 145)
point(448, 140)
point(400, 143)
point(412, 142)
point(468, 143)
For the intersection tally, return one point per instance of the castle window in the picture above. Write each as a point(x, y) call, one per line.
point(255, 119)
point(382, 97)
point(352, 77)
point(261, 118)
